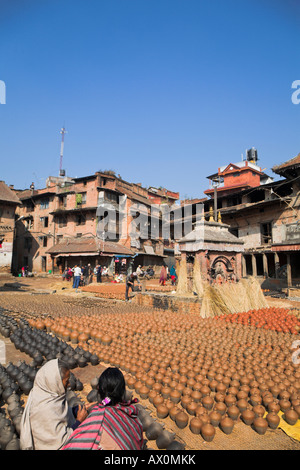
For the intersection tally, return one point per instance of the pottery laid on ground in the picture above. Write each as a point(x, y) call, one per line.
point(242, 368)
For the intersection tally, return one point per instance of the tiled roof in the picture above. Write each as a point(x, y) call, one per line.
point(289, 163)
point(89, 245)
point(212, 232)
point(7, 195)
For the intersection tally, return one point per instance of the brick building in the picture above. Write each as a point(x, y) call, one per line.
point(265, 216)
point(8, 204)
point(59, 224)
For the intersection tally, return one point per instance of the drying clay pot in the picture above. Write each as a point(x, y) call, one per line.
point(260, 425)
point(181, 419)
point(208, 432)
point(195, 425)
point(291, 417)
point(273, 419)
point(162, 411)
point(226, 425)
point(165, 439)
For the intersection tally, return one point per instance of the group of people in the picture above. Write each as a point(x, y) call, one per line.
point(165, 275)
point(82, 276)
point(146, 273)
point(48, 422)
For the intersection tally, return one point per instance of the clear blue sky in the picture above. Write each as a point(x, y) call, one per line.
point(162, 92)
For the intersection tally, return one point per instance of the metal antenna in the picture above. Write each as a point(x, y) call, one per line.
point(63, 132)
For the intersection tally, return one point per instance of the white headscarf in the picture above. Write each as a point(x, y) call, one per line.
point(47, 418)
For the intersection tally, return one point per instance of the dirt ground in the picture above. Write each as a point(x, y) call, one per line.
point(47, 291)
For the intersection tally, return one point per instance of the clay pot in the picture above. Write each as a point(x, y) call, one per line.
point(205, 390)
point(176, 445)
point(151, 395)
point(213, 385)
point(150, 382)
point(291, 417)
point(285, 405)
point(154, 431)
point(273, 407)
point(273, 419)
point(221, 388)
point(13, 444)
point(230, 400)
point(93, 395)
point(6, 435)
point(146, 421)
point(219, 397)
point(275, 391)
point(226, 425)
point(74, 337)
point(260, 425)
point(256, 399)
point(196, 396)
point(233, 412)
point(208, 402)
point(162, 411)
point(173, 412)
point(185, 401)
point(195, 425)
point(181, 419)
point(215, 418)
point(242, 404)
point(94, 359)
point(158, 400)
point(259, 411)
point(241, 395)
point(248, 416)
point(175, 396)
point(165, 392)
point(83, 337)
point(208, 432)
point(165, 439)
point(144, 392)
point(221, 408)
point(297, 409)
point(130, 382)
point(191, 408)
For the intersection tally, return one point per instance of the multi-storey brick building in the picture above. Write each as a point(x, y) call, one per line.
point(265, 216)
point(60, 224)
point(8, 204)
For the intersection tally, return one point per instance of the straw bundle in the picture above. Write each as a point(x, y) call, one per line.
point(232, 298)
point(182, 285)
point(198, 283)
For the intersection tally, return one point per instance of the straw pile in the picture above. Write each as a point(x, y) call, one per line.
point(232, 298)
point(198, 283)
point(182, 286)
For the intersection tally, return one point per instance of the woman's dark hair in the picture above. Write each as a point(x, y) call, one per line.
point(112, 385)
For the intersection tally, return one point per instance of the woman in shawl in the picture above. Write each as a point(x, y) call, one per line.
point(112, 424)
point(47, 421)
point(163, 276)
point(173, 275)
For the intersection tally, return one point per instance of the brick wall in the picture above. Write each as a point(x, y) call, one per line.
point(184, 305)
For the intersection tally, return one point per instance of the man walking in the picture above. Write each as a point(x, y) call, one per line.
point(77, 276)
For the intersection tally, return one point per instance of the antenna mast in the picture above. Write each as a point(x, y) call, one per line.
point(63, 132)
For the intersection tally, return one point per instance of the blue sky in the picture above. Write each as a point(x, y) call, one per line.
point(163, 92)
